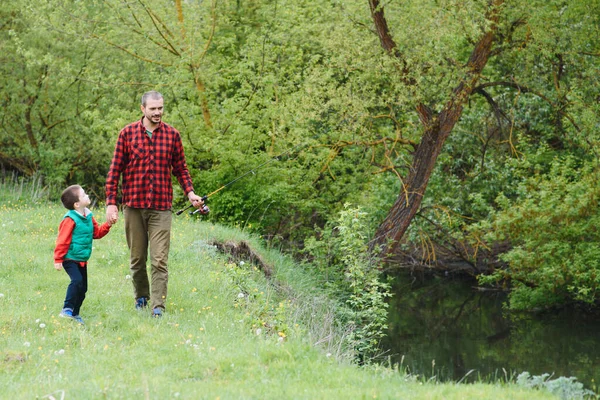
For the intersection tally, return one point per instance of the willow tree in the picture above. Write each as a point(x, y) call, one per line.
point(501, 31)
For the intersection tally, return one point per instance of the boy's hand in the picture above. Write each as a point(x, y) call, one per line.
point(58, 266)
point(113, 219)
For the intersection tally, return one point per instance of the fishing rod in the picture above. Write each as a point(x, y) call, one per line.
point(204, 209)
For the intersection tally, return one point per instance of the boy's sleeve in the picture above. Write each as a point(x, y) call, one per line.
point(63, 241)
point(100, 230)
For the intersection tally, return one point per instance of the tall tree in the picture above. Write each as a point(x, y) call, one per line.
point(436, 126)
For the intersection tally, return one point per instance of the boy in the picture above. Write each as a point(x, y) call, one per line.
point(74, 247)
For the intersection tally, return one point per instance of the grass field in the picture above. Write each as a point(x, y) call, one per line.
point(228, 332)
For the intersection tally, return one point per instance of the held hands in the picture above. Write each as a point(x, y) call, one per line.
point(112, 214)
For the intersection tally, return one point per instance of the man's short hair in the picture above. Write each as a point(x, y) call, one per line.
point(70, 196)
point(153, 94)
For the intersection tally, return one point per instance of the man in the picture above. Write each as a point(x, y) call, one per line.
point(146, 153)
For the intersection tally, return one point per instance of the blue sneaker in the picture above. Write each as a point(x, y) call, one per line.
point(157, 312)
point(141, 303)
point(66, 313)
point(78, 319)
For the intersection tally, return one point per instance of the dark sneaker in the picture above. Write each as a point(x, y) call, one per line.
point(157, 312)
point(78, 319)
point(141, 303)
point(66, 313)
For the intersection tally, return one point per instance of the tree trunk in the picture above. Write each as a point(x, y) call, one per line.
point(437, 128)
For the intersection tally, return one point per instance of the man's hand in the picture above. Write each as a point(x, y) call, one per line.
point(198, 203)
point(112, 214)
point(195, 200)
point(58, 266)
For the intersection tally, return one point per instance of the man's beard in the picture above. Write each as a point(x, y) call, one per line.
point(155, 119)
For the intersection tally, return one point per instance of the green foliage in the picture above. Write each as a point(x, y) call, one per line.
point(553, 227)
point(351, 273)
point(247, 81)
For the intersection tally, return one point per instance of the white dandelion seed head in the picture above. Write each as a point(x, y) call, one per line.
point(242, 263)
point(37, 321)
point(1, 295)
point(127, 277)
point(60, 352)
point(241, 296)
point(26, 344)
point(42, 325)
point(328, 355)
point(258, 331)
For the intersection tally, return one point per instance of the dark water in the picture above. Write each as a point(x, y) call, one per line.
point(443, 327)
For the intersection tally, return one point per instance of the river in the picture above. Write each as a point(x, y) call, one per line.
point(444, 327)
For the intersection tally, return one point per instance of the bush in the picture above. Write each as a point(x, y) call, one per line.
point(565, 388)
point(553, 229)
point(342, 257)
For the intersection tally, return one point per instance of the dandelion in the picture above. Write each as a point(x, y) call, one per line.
point(258, 331)
point(127, 277)
point(328, 355)
point(242, 263)
point(241, 296)
point(37, 321)
point(60, 352)
point(1, 295)
point(42, 325)
point(26, 344)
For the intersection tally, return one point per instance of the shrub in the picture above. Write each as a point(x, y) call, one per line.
point(553, 229)
point(342, 257)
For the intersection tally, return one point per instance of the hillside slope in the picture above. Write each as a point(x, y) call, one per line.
point(228, 333)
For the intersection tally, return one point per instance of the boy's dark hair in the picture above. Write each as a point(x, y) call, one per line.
point(70, 196)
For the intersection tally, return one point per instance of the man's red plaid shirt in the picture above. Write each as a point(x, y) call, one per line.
point(145, 165)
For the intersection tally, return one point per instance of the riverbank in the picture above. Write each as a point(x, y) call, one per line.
point(228, 333)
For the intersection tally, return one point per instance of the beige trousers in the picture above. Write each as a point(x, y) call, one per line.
point(145, 230)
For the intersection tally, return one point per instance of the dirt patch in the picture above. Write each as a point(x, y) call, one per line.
point(14, 357)
point(241, 251)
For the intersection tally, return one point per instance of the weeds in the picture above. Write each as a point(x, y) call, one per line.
point(15, 188)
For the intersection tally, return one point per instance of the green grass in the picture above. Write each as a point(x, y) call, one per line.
point(205, 347)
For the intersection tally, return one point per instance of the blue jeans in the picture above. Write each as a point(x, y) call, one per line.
point(78, 286)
